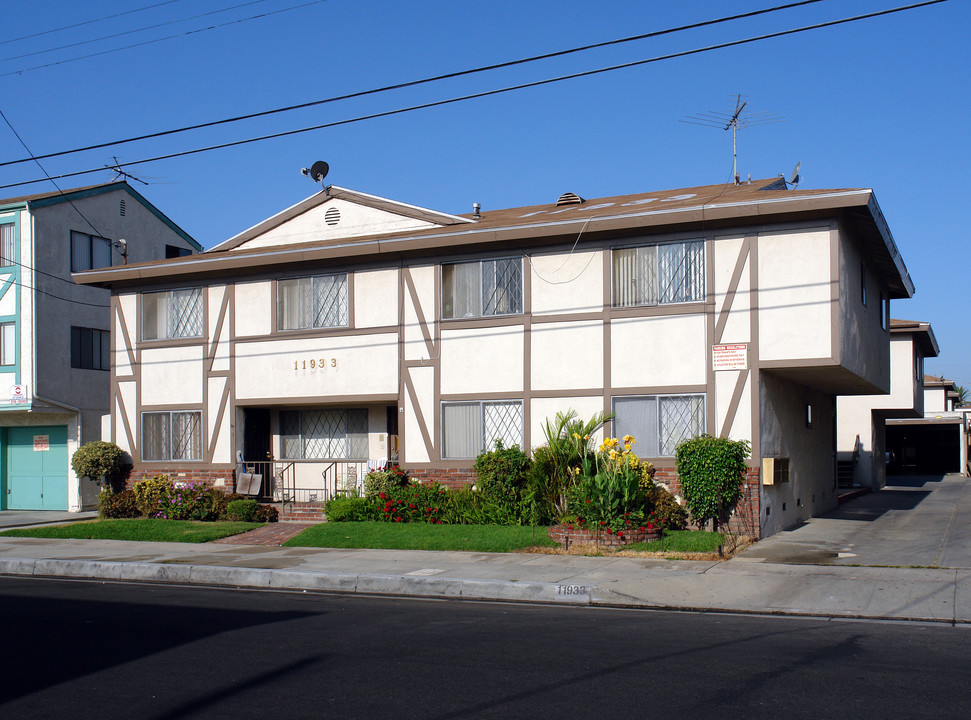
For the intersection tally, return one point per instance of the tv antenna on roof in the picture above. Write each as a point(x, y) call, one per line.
point(119, 173)
point(734, 119)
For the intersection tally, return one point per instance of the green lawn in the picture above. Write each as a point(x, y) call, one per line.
point(144, 529)
point(421, 536)
point(682, 541)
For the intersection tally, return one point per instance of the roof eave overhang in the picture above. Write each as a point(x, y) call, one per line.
point(536, 234)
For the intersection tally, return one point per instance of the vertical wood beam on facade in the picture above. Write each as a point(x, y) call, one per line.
point(754, 362)
point(711, 409)
point(527, 351)
point(607, 301)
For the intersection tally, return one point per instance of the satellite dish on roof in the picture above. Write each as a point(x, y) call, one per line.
point(317, 172)
point(794, 178)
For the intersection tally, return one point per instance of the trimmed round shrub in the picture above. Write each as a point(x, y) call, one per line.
point(349, 509)
point(242, 510)
point(665, 510)
point(98, 460)
point(118, 505)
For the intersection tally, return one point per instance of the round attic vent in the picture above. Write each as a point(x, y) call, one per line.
point(569, 199)
point(332, 216)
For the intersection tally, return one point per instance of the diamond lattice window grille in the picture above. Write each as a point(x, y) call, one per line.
point(155, 436)
point(185, 313)
point(502, 286)
point(502, 421)
point(330, 300)
point(681, 417)
point(186, 436)
point(324, 434)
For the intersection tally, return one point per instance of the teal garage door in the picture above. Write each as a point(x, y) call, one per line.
point(36, 464)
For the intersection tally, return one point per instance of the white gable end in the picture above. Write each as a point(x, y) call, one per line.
point(332, 220)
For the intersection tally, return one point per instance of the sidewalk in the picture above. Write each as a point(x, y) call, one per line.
point(759, 580)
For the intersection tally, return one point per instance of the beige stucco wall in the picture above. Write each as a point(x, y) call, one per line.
point(172, 375)
point(863, 344)
point(795, 287)
point(738, 326)
point(566, 283)
point(657, 351)
point(376, 298)
point(566, 355)
point(352, 365)
point(254, 308)
point(482, 360)
point(543, 409)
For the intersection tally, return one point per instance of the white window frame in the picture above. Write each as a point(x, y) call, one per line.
point(8, 244)
point(160, 322)
point(188, 449)
point(655, 446)
point(476, 430)
point(8, 344)
point(646, 284)
point(84, 246)
point(479, 301)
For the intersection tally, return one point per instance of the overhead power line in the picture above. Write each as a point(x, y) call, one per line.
point(87, 22)
point(414, 83)
point(162, 39)
point(499, 91)
point(130, 32)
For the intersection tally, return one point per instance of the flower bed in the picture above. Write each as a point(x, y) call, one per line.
point(571, 535)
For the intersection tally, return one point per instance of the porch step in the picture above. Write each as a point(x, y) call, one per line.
point(301, 513)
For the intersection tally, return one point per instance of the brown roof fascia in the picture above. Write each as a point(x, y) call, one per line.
point(922, 333)
point(507, 229)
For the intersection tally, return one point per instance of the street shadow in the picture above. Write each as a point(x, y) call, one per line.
point(912, 481)
point(874, 505)
point(98, 635)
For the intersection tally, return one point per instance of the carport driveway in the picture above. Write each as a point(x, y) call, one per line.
point(914, 521)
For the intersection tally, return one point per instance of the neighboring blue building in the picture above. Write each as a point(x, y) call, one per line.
point(55, 340)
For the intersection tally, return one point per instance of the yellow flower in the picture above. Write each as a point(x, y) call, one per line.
point(629, 440)
point(614, 454)
point(576, 435)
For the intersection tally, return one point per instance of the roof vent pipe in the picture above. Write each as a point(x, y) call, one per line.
point(475, 211)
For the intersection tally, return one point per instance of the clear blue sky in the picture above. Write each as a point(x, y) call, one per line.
point(882, 103)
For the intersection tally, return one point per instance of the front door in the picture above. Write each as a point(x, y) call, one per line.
point(36, 468)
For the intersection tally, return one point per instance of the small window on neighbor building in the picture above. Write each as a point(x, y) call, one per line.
point(173, 251)
point(863, 284)
point(8, 343)
point(884, 312)
point(809, 415)
point(90, 349)
point(6, 244)
point(89, 252)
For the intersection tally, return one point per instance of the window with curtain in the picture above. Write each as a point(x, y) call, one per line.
point(172, 314)
point(175, 435)
point(7, 249)
point(659, 274)
point(483, 288)
point(90, 349)
point(659, 422)
point(89, 252)
point(312, 302)
point(470, 428)
point(324, 434)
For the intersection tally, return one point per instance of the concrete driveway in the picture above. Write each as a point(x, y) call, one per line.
point(915, 521)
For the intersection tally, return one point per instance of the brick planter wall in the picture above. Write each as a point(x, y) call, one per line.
point(454, 479)
point(567, 535)
point(222, 479)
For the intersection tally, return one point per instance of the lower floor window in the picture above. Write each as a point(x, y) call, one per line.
point(331, 434)
point(175, 435)
point(659, 422)
point(8, 343)
point(470, 428)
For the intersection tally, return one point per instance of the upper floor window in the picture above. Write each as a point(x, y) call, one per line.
point(863, 284)
point(8, 343)
point(659, 422)
point(331, 434)
point(172, 435)
point(90, 349)
point(172, 314)
point(884, 312)
point(483, 288)
point(6, 244)
point(471, 428)
point(312, 302)
point(89, 252)
point(659, 274)
point(174, 251)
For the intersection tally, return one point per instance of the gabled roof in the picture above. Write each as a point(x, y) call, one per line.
point(420, 218)
point(941, 382)
point(687, 209)
point(40, 200)
point(922, 332)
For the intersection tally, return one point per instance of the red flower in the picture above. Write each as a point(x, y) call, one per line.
point(398, 519)
point(382, 496)
point(641, 528)
point(609, 531)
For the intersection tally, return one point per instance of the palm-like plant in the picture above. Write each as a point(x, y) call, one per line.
point(568, 441)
